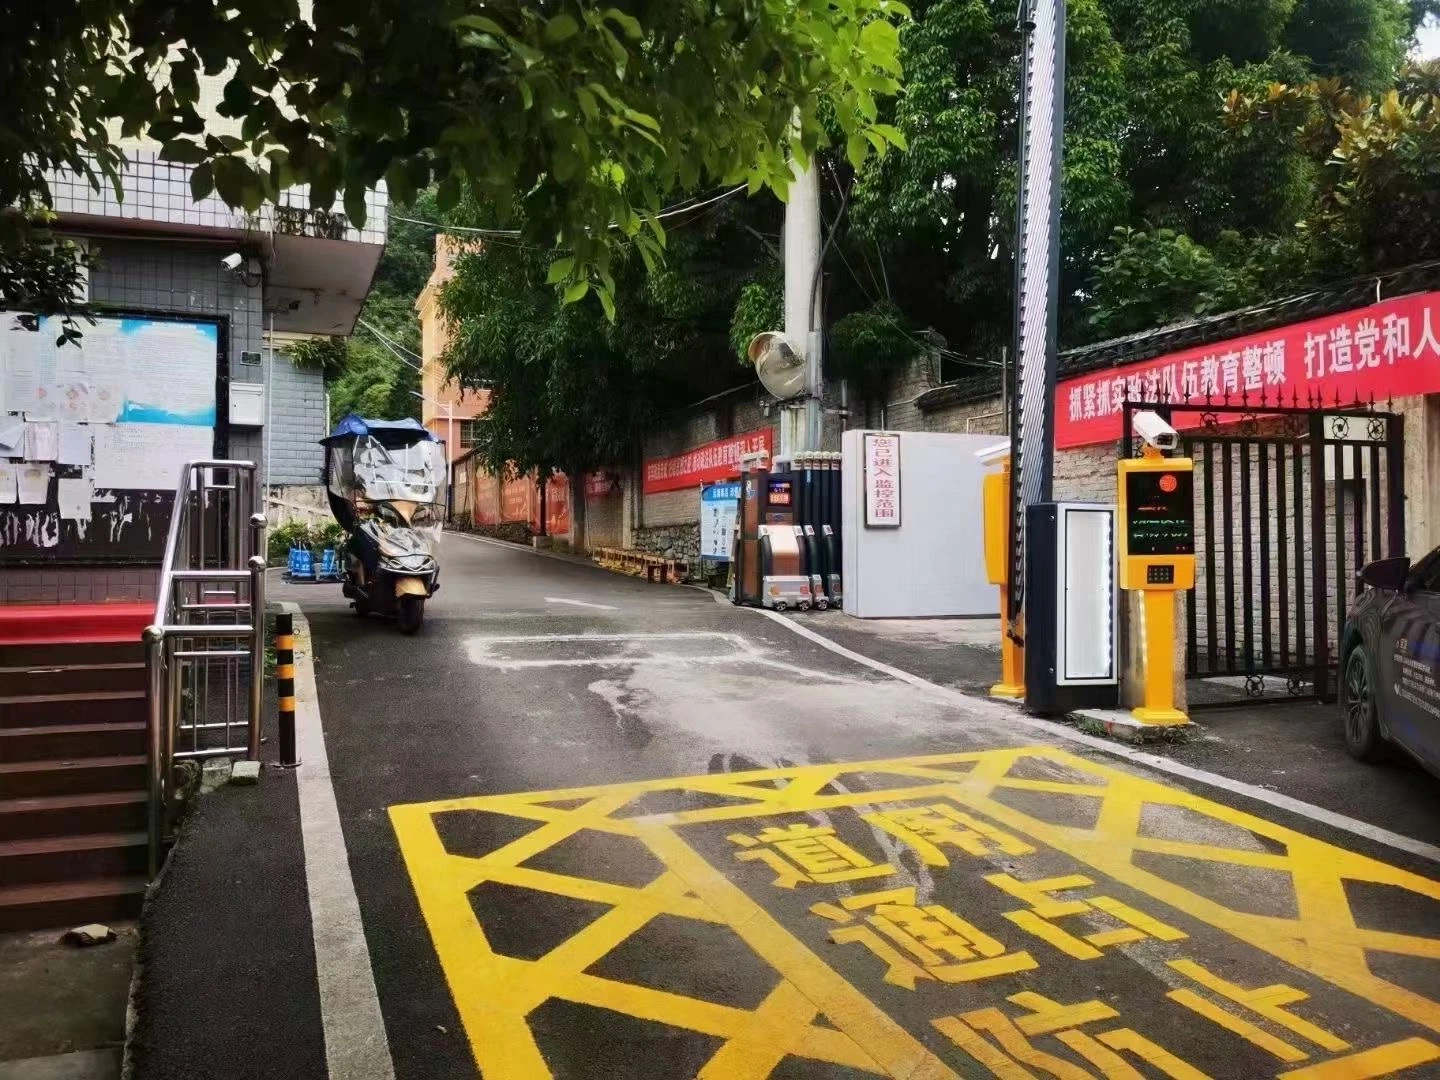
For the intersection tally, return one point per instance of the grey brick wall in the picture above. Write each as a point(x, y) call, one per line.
point(162, 275)
point(297, 423)
point(186, 278)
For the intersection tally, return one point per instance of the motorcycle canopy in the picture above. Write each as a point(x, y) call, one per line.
point(388, 433)
point(381, 461)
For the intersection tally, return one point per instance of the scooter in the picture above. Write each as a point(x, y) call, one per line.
point(390, 570)
point(385, 481)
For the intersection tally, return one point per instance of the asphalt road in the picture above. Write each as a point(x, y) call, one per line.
point(599, 828)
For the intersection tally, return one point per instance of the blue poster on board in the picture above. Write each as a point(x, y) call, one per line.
point(719, 507)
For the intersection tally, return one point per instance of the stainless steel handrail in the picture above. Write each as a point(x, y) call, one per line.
point(216, 536)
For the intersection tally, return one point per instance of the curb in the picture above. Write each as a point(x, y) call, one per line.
point(1121, 726)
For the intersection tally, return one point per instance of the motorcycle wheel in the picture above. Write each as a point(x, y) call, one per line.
point(409, 613)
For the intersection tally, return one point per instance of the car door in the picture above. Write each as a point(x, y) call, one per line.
point(1409, 662)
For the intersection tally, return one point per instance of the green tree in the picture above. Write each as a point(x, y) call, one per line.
point(1166, 213)
point(573, 390)
point(580, 113)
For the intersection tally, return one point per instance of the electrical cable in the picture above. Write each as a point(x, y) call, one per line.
point(392, 347)
point(682, 207)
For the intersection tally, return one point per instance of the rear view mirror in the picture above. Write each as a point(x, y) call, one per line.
point(1386, 574)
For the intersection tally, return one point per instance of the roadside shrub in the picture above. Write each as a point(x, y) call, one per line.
point(302, 534)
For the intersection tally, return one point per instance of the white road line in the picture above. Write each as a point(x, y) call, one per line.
point(579, 603)
point(355, 1044)
point(1140, 757)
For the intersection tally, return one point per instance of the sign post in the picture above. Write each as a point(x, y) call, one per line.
point(1157, 559)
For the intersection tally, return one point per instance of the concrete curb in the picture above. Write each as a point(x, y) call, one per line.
point(1120, 725)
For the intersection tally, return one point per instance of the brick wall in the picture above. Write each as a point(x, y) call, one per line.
point(298, 423)
point(76, 584)
point(604, 520)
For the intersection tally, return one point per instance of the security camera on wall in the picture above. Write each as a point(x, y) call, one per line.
point(246, 269)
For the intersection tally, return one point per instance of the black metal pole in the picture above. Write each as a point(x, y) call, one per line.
point(285, 686)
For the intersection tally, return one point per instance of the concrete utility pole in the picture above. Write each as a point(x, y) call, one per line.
point(800, 426)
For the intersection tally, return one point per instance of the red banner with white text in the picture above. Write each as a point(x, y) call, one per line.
point(1387, 350)
point(718, 460)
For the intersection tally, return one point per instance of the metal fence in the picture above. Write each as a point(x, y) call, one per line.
point(1290, 502)
point(205, 650)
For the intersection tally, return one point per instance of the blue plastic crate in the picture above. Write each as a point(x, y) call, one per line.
point(302, 564)
point(329, 565)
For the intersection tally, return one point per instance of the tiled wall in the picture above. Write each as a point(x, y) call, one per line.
point(155, 190)
point(297, 424)
point(161, 275)
point(186, 278)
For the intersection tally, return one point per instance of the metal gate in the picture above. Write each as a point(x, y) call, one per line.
point(1290, 502)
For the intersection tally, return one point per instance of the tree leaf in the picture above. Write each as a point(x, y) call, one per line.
point(560, 28)
point(629, 25)
point(183, 151)
point(560, 269)
point(202, 182)
point(856, 150)
point(483, 23)
point(576, 291)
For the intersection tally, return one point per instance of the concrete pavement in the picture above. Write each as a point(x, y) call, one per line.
point(599, 828)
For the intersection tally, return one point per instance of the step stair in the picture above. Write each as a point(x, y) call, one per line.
point(73, 774)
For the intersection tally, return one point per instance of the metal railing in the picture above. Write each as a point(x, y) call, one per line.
point(205, 650)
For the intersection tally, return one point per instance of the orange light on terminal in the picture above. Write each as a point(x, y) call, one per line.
point(1168, 483)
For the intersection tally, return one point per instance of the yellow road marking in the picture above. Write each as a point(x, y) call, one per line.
point(1381, 1061)
point(495, 993)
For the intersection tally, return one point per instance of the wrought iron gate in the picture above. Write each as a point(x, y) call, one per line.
point(1290, 502)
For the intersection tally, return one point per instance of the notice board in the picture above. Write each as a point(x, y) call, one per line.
point(93, 434)
point(719, 508)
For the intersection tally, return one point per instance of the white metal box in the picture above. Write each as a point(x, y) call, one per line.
point(247, 404)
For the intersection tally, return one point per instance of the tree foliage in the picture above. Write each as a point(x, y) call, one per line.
point(573, 390)
point(1167, 211)
point(582, 114)
point(362, 375)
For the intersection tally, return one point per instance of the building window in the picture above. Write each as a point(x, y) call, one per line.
point(469, 429)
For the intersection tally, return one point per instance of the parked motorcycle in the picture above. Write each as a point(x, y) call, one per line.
point(385, 480)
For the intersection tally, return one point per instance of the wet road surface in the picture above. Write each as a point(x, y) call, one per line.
point(600, 828)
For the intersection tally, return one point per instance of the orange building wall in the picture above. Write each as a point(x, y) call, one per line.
point(443, 398)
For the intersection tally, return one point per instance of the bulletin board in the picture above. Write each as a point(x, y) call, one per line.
point(93, 435)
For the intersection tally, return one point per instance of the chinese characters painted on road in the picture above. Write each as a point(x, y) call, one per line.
point(1014, 913)
point(1387, 350)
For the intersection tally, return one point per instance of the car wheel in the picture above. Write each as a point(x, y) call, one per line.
point(1362, 719)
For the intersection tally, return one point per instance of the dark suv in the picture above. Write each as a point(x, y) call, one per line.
point(1390, 661)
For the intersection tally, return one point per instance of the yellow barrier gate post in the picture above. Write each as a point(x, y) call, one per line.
point(1157, 559)
point(996, 501)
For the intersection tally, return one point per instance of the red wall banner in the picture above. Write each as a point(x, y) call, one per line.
point(1390, 349)
point(718, 460)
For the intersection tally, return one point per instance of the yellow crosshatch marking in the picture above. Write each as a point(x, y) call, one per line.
point(957, 813)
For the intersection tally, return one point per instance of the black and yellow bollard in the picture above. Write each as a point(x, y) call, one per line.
point(285, 687)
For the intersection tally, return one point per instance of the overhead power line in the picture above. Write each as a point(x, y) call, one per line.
point(670, 211)
point(394, 347)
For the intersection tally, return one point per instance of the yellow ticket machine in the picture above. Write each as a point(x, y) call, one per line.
point(1157, 560)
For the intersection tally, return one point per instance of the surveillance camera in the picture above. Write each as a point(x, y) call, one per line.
point(1156, 432)
point(233, 262)
point(993, 455)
